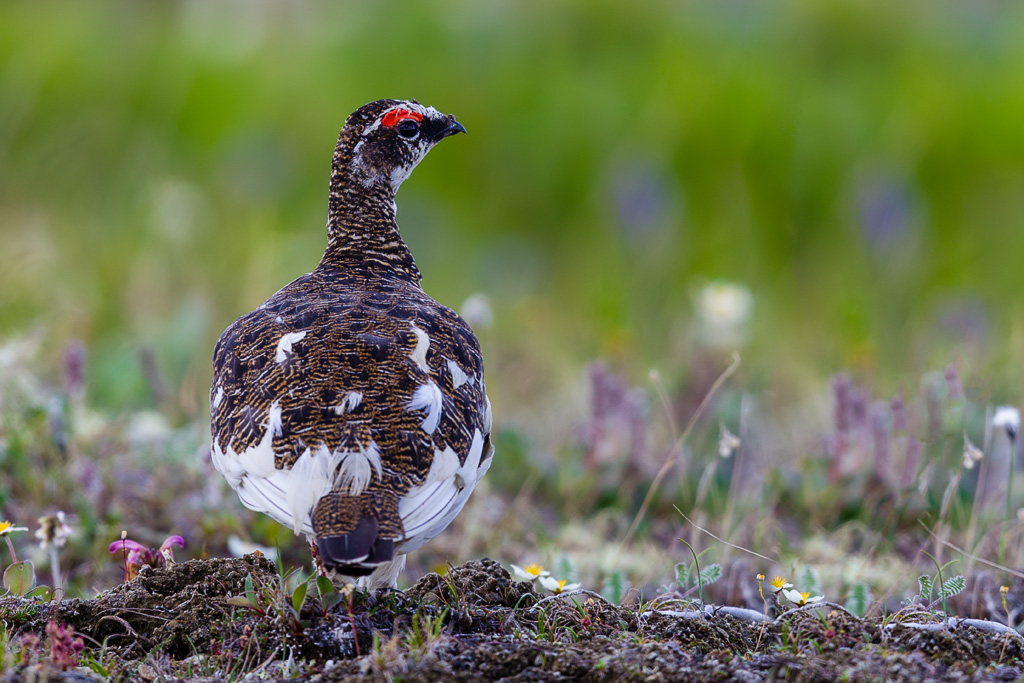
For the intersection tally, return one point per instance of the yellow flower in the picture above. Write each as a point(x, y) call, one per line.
point(778, 583)
point(9, 528)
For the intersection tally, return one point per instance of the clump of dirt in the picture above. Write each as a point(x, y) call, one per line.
point(483, 582)
point(173, 607)
point(474, 623)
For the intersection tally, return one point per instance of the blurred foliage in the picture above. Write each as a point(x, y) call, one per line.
point(163, 169)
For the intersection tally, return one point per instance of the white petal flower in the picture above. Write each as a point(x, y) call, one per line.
point(801, 599)
point(1008, 418)
point(530, 573)
point(476, 310)
point(972, 453)
point(557, 586)
point(723, 311)
point(9, 528)
point(240, 548)
point(53, 530)
point(548, 583)
point(728, 442)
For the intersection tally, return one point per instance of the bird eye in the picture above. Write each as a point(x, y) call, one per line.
point(408, 128)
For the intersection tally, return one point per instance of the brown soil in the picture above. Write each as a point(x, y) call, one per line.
point(474, 624)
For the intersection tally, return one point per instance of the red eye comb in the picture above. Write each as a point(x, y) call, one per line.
point(395, 115)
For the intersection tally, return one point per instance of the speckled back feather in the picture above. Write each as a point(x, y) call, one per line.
point(368, 393)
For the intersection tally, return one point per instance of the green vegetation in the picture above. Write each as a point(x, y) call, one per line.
point(855, 165)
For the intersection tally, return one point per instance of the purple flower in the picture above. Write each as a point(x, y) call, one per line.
point(134, 549)
point(136, 555)
point(167, 547)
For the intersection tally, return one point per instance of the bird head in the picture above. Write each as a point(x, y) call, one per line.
point(387, 138)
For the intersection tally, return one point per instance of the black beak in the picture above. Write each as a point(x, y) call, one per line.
point(447, 127)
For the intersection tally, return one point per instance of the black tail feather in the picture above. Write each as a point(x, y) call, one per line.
point(357, 553)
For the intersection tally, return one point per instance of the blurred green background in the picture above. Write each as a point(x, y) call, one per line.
point(855, 168)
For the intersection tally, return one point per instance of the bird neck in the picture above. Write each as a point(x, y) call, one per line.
point(362, 229)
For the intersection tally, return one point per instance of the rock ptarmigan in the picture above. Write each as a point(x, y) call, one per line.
point(350, 406)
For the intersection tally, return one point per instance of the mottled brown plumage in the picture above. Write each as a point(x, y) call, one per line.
point(350, 405)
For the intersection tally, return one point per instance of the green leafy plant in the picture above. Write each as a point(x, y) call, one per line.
point(275, 599)
point(859, 599)
point(614, 588)
point(19, 578)
point(935, 589)
point(809, 580)
point(425, 632)
point(700, 578)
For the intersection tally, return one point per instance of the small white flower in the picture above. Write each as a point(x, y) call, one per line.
point(557, 586)
point(1008, 418)
point(53, 530)
point(778, 583)
point(531, 572)
point(9, 528)
point(240, 548)
point(723, 311)
point(728, 442)
point(801, 599)
point(476, 310)
point(972, 453)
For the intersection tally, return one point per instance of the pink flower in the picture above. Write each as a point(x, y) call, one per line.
point(136, 555)
point(64, 645)
point(167, 547)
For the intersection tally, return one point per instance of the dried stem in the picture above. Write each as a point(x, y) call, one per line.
point(673, 453)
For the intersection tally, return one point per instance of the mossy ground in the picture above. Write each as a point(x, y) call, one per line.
point(473, 624)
